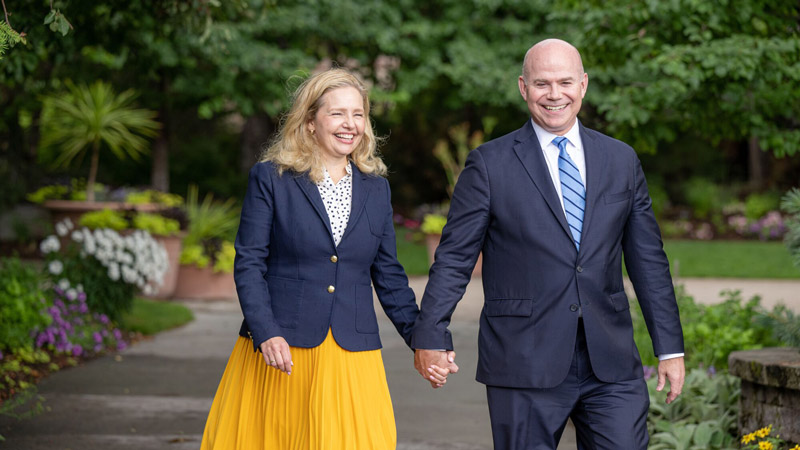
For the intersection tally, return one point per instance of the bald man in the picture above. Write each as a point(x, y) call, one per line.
point(554, 207)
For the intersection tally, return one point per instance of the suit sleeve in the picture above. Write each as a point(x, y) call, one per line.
point(648, 269)
point(252, 249)
point(390, 280)
point(462, 239)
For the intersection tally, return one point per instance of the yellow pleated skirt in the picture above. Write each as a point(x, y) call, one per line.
point(334, 399)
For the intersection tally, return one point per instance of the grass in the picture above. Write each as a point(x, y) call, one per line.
point(152, 316)
point(702, 259)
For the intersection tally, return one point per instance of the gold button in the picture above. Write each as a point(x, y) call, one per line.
point(331, 289)
point(334, 258)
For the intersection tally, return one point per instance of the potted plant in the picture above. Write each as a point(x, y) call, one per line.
point(206, 263)
point(88, 120)
point(433, 223)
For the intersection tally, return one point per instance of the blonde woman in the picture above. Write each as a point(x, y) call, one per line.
point(316, 235)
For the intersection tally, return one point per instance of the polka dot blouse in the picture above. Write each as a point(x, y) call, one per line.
point(337, 199)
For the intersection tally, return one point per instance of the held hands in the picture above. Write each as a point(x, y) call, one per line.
point(674, 371)
point(276, 354)
point(435, 365)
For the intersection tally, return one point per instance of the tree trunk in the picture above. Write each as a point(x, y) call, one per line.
point(756, 162)
point(93, 172)
point(159, 175)
point(256, 133)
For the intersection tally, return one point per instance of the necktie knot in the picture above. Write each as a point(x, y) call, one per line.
point(561, 142)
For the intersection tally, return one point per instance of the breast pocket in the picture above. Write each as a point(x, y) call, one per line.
point(376, 221)
point(286, 295)
point(618, 197)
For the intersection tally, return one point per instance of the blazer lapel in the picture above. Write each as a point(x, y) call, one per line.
point(596, 157)
point(312, 193)
point(530, 154)
point(361, 190)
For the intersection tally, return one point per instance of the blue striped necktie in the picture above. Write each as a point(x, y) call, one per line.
point(571, 190)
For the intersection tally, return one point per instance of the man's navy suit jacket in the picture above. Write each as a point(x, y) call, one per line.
point(535, 282)
point(287, 264)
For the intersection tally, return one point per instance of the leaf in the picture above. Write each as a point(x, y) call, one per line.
point(63, 25)
point(50, 17)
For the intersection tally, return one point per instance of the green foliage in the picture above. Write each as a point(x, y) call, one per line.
point(57, 22)
point(95, 117)
point(8, 38)
point(464, 142)
point(704, 197)
point(106, 218)
point(659, 198)
point(153, 196)
point(225, 257)
point(156, 224)
point(21, 305)
point(53, 192)
point(152, 316)
point(702, 418)
point(194, 254)
point(790, 204)
point(102, 295)
point(784, 323)
point(433, 224)
point(757, 205)
point(710, 332)
point(209, 219)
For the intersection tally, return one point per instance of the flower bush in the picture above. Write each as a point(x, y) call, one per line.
point(762, 439)
point(109, 266)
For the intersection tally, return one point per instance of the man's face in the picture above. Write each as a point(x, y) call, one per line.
point(553, 87)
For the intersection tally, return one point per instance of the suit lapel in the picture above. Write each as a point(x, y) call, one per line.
point(361, 190)
point(595, 155)
point(312, 193)
point(530, 154)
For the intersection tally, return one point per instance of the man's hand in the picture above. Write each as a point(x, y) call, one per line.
point(435, 365)
point(672, 370)
point(276, 354)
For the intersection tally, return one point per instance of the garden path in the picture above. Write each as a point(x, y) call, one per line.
point(156, 394)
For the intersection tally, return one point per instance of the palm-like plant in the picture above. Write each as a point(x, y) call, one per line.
point(209, 219)
point(92, 118)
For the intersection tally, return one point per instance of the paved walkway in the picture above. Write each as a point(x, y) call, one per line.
point(156, 394)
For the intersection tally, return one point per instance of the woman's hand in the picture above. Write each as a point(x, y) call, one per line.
point(277, 354)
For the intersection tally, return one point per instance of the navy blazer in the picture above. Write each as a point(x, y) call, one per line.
point(294, 282)
point(535, 282)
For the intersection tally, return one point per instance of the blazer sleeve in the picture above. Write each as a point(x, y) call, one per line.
point(648, 269)
point(252, 249)
point(462, 239)
point(390, 280)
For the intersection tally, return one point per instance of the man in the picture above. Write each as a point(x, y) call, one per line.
point(553, 207)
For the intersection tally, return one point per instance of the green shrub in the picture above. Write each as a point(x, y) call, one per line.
point(106, 218)
point(209, 220)
point(757, 205)
point(224, 258)
point(53, 192)
point(702, 417)
point(659, 198)
point(156, 224)
point(153, 196)
point(193, 254)
point(710, 332)
point(21, 305)
point(703, 197)
point(433, 224)
point(790, 204)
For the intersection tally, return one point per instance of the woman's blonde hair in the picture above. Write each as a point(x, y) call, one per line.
point(294, 148)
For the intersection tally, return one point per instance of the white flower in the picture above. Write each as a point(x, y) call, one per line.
point(149, 290)
point(50, 244)
point(128, 274)
point(113, 271)
point(72, 294)
point(79, 287)
point(68, 223)
point(77, 236)
point(55, 267)
point(61, 229)
point(63, 284)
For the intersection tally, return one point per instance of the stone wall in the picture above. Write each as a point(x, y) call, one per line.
point(770, 390)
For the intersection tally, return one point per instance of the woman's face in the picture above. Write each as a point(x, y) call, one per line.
point(339, 124)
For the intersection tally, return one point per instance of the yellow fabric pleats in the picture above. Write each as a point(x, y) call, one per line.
point(334, 399)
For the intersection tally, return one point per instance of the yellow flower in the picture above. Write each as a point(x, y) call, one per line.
point(796, 447)
point(764, 432)
point(748, 438)
point(764, 445)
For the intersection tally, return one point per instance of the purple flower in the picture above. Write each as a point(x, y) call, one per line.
point(1, 355)
point(98, 347)
point(104, 319)
point(77, 350)
point(649, 371)
point(97, 337)
point(121, 345)
point(711, 371)
point(82, 296)
point(83, 309)
point(117, 334)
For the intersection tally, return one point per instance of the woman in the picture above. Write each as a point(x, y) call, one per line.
point(316, 229)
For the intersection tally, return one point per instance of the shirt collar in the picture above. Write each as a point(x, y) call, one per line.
point(328, 181)
point(545, 137)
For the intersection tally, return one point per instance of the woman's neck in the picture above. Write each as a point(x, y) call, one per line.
point(336, 168)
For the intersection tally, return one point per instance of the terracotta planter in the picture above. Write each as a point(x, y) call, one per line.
point(73, 209)
point(204, 284)
point(173, 245)
point(432, 241)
